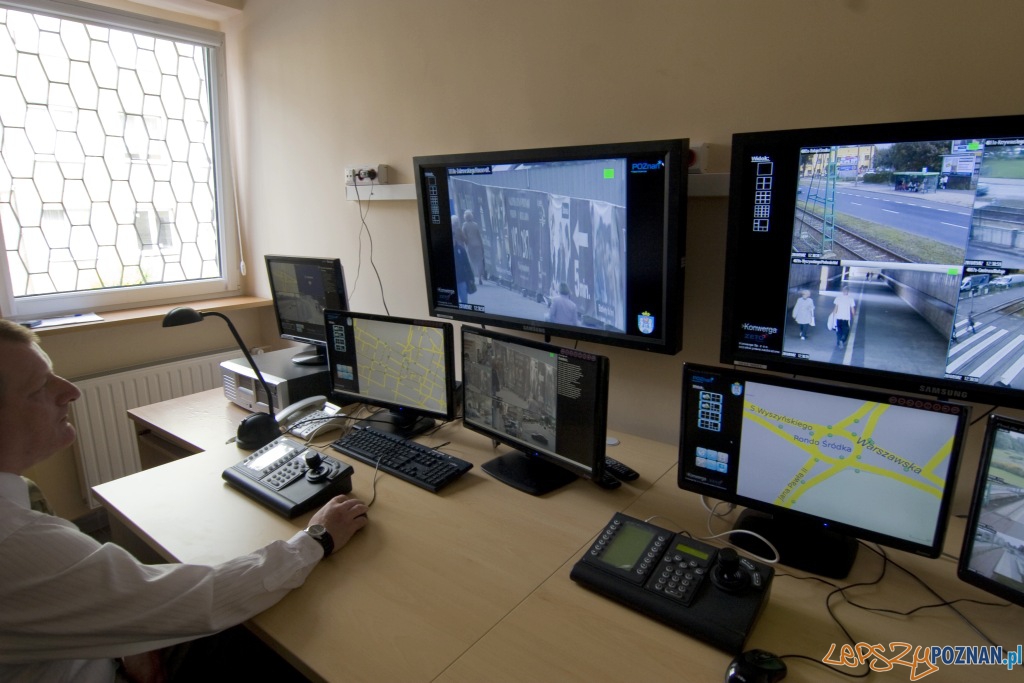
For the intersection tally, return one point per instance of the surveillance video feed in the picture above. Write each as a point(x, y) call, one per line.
point(543, 241)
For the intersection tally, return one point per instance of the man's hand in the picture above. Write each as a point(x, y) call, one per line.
point(343, 517)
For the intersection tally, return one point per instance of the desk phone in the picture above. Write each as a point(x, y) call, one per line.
point(707, 592)
point(290, 478)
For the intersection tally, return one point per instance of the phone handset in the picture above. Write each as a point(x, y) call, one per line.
point(294, 412)
point(309, 417)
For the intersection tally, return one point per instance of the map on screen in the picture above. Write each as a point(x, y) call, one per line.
point(403, 364)
point(863, 463)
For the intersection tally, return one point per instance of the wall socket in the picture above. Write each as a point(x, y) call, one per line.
point(366, 175)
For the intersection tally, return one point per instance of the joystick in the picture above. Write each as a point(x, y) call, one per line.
point(728, 575)
point(315, 463)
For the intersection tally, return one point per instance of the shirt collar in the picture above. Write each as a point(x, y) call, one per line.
point(14, 489)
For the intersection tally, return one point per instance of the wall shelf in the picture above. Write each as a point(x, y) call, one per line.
point(380, 192)
point(698, 185)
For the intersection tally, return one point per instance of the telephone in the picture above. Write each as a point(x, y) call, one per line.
point(707, 592)
point(310, 416)
point(289, 477)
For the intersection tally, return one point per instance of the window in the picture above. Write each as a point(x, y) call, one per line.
point(111, 191)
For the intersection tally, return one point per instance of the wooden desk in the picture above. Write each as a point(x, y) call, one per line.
point(473, 584)
point(190, 424)
point(563, 632)
point(429, 576)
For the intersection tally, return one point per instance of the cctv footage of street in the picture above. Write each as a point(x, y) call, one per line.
point(909, 257)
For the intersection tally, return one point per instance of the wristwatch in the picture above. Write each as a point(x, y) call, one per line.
point(319, 533)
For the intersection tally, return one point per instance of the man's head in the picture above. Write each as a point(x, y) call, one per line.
point(34, 402)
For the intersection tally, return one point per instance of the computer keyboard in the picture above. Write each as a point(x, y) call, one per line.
point(415, 463)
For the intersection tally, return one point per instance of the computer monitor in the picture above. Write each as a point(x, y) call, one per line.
point(583, 242)
point(992, 557)
point(820, 465)
point(909, 231)
point(403, 365)
point(303, 288)
point(550, 404)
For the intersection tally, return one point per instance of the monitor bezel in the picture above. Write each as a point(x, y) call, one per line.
point(964, 571)
point(318, 261)
point(733, 316)
point(346, 397)
point(600, 417)
point(816, 521)
point(672, 234)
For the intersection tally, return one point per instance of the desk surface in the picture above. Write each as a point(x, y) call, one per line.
point(473, 584)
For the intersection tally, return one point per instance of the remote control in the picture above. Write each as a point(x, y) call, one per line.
point(620, 471)
point(608, 482)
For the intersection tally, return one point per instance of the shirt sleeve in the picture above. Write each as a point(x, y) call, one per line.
point(65, 596)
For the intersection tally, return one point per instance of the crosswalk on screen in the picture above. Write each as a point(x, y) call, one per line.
point(886, 255)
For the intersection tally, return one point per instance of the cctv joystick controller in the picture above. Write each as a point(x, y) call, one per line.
point(710, 593)
point(728, 574)
point(315, 462)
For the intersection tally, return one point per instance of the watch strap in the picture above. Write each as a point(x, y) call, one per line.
point(320, 534)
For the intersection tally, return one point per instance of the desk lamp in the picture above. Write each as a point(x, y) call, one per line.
point(258, 429)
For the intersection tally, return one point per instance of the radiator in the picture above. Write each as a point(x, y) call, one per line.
point(106, 445)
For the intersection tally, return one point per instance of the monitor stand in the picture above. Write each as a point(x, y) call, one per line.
point(528, 473)
point(802, 546)
point(405, 425)
point(311, 355)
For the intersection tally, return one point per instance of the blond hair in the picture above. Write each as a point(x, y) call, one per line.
point(13, 333)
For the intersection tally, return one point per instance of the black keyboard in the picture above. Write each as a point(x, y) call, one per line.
point(408, 460)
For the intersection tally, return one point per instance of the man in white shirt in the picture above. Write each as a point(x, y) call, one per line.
point(843, 310)
point(70, 608)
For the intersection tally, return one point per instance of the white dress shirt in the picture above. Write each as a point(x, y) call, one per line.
point(69, 606)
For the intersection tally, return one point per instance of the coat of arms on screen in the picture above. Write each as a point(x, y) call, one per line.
point(645, 321)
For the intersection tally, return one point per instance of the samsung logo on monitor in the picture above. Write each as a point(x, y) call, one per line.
point(941, 391)
point(645, 166)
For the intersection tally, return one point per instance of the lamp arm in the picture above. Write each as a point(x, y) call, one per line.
point(248, 357)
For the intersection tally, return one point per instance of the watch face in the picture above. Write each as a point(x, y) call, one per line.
point(316, 530)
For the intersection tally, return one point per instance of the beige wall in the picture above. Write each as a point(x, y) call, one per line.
point(317, 85)
point(80, 353)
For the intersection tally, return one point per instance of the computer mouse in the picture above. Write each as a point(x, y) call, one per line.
point(755, 666)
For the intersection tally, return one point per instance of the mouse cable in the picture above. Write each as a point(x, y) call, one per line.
point(373, 484)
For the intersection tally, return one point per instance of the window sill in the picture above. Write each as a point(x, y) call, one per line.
point(149, 313)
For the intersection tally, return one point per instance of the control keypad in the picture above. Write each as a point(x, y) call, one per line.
point(681, 572)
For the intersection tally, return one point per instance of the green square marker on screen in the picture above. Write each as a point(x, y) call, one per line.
point(609, 174)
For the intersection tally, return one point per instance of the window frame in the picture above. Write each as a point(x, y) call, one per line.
point(229, 282)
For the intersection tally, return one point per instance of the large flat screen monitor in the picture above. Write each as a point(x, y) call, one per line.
point(819, 465)
point(993, 551)
point(889, 255)
point(550, 404)
point(403, 365)
point(303, 288)
point(576, 242)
